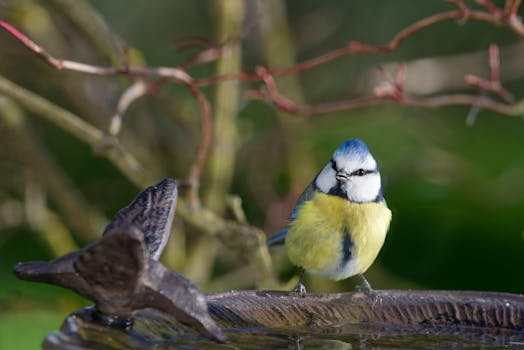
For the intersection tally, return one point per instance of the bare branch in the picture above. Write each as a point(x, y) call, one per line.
point(80, 129)
point(493, 84)
point(31, 45)
point(179, 75)
point(288, 106)
point(511, 8)
point(205, 145)
point(211, 50)
point(354, 47)
point(494, 63)
point(172, 73)
point(84, 15)
point(391, 93)
point(133, 92)
point(491, 8)
point(390, 87)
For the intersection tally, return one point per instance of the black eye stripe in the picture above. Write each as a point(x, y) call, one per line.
point(362, 172)
point(334, 165)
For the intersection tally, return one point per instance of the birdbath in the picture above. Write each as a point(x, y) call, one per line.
point(141, 304)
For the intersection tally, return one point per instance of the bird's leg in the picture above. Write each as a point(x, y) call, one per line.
point(365, 287)
point(300, 288)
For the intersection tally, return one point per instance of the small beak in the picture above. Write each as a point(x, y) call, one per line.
point(342, 176)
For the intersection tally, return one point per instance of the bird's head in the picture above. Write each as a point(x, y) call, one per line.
point(351, 173)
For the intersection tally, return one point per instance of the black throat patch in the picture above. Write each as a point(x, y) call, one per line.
point(338, 191)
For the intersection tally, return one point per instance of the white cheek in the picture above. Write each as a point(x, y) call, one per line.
point(363, 188)
point(326, 179)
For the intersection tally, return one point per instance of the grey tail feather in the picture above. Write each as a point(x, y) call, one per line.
point(277, 238)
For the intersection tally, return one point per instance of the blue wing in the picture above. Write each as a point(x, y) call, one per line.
point(280, 236)
point(277, 238)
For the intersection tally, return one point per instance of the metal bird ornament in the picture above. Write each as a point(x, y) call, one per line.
point(120, 271)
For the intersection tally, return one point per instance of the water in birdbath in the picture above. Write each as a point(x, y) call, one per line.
point(160, 331)
point(340, 337)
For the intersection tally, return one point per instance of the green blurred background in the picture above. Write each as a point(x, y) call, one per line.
point(456, 191)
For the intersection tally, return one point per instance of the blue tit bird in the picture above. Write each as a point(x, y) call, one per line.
point(340, 221)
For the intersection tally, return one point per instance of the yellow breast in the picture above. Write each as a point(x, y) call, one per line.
point(315, 238)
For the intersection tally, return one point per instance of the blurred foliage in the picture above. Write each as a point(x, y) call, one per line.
point(24, 330)
point(456, 192)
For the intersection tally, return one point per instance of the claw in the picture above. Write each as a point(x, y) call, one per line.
point(300, 288)
point(365, 287)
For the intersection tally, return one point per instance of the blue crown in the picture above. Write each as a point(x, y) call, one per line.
point(352, 148)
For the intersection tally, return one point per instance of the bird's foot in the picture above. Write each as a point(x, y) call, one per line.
point(367, 291)
point(300, 289)
point(365, 287)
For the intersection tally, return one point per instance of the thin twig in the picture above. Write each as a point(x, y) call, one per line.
point(494, 63)
point(491, 8)
point(354, 47)
point(178, 74)
point(82, 130)
point(288, 106)
point(390, 87)
point(205, 145)
point(494, 84)
point(172, 73)
point(133, 92)
point(211, 50)
point(511, 8)
point(84, 15)
point(393, 94)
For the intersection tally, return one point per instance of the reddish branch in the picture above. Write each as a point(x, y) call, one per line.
point(138, 89)
point(392, 88)
point(353, 47)
point(493, 84)
point(511, 7)
point(205, 146)
point(212, 51)
point(288, 106)
point(179, 75)
point(507, 16)
point(389, 92)
point(171, 73)
point(491, 7)
point(31, 44)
